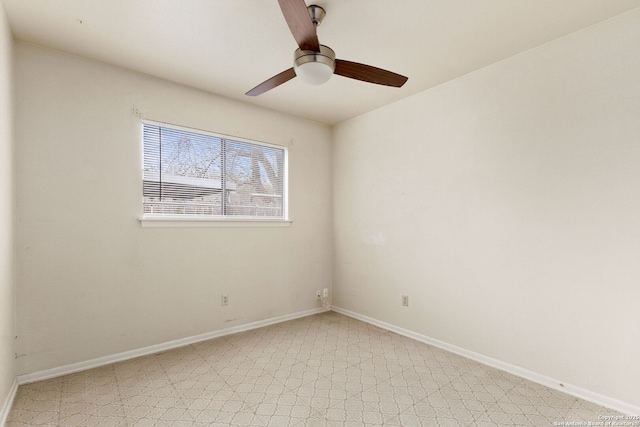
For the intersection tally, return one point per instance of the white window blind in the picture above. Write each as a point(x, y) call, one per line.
point(194, 173)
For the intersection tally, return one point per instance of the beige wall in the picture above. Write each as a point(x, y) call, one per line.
point(7, 359)
point(92, 281)
point(506, 205)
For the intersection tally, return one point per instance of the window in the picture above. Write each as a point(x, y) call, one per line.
point(191, 174)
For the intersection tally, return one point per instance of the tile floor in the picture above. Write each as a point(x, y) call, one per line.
point(321, 370)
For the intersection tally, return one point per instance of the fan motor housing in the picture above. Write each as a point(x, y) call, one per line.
point(326, 56)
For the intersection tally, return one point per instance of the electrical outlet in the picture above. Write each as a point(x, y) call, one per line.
point(325, 292)
point(318, 295)
point(224, 300)
point(405, 300)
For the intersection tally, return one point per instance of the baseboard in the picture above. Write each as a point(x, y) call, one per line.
point(106, 360)
point(8, 402)
point(555, 384)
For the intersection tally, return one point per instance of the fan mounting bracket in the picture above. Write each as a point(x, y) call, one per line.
point(317, 14)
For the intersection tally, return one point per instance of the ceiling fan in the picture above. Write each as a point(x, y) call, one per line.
point(316, 63)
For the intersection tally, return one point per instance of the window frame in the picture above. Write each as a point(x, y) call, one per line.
point(149, 220)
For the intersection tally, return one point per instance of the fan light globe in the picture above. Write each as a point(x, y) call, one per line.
point(312, 67)
point(314, 73)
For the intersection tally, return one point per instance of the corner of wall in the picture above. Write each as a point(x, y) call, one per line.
point(8, 384)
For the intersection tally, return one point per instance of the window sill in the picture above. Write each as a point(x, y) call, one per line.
point(153, 221)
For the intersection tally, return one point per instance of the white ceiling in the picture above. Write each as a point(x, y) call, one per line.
point(229, 46)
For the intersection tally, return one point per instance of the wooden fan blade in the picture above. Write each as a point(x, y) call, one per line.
point(300, 23)
point(370, 74)
point(274, 81)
